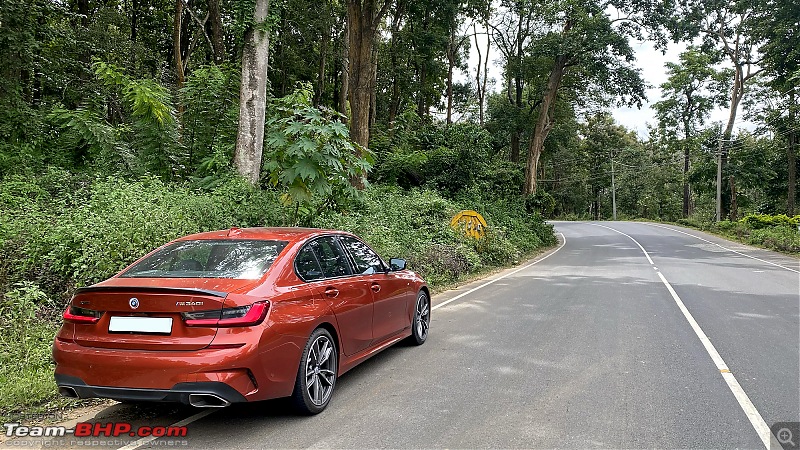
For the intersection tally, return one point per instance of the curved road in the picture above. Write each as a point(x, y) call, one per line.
point(678, 343)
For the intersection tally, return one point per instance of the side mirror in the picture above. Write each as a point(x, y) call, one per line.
point(396, 264)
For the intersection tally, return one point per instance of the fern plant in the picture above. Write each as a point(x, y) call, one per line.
point(151, 126)
point(210, 120)
point(143, 136)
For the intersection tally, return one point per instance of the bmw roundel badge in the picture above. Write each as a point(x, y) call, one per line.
point(134, 303)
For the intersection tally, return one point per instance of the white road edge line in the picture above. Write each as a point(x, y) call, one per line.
point(724, 248)
point(564, 239)
point(144, 441)
point(747, 406)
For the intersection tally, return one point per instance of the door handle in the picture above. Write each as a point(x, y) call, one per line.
point(331, 292)
point(375, 287)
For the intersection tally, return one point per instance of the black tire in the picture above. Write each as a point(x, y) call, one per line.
point(422, 319)
point(316, 376)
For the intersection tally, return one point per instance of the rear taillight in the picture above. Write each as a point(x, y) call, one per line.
point(81, 315)
point(240, 316)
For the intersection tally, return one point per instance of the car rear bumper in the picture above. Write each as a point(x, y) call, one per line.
point(248, 373)
point(207, 394)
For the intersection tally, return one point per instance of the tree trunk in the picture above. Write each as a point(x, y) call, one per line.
point(176, 43)
point(485, 74)
point(323, 60)
point(515, 136)
point(253, 96)
point(344, 93)
point(792, 157)
point(544, 123)
point(363, 19)
point(451, 62)
point(83, 10)
point(737, 92)
point(134, 31)
point(394, 100)
point(281, 54)
point(217, 33)
point(791, 154)
point(478, 85)
point(373, 90)
point(360, 52)
point(686, 189)
point(686, 154)
point(422, 109)
point(734, 215)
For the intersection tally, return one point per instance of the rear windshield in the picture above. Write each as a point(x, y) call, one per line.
point(241, 259)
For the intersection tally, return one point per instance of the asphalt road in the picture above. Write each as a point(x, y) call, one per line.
point(587, 348)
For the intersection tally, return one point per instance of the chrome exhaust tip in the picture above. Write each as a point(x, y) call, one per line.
point(207, 401)
point(67, 391)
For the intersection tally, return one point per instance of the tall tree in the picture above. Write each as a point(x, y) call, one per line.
point(217, 31)
point(582, 39)
point(363, 19)
point(513, 32)
point(776, 25)
point(482, 12)
point(726, 27)
point(689, 95)
point(177, 25)
point(253, 95)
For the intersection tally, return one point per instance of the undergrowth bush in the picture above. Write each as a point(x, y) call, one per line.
point(415, 225)
point(776, 232)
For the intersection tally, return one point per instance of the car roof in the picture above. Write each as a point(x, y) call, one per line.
point(291, 234)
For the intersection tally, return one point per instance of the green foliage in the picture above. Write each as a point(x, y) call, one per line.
point(759, 221)
point(775, 232)
point(691, 92)
point(310, 157)
point(448, 158)
point(142, 135)
point(416, 225)
point(70, 237)
point(783, 239)
point(541, 202)
point(148, 123)
point(27, 327)
point(210, 122)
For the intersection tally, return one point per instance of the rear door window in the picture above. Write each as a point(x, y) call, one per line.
point(331, 257)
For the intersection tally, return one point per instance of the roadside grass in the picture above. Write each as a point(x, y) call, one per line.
point(60, 232)
point(781, 238)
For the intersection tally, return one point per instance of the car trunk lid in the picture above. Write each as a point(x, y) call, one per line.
point(148, 317)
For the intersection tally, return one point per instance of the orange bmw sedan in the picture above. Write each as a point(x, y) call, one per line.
point(236, 316)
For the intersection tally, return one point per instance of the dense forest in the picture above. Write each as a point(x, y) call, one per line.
point(140, 87)
point(126, 123)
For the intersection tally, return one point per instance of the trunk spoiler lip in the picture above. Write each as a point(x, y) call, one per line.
point(152, 289)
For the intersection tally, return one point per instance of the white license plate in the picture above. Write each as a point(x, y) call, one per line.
point(160, 325)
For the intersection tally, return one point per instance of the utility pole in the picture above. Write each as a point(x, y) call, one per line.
point(613, 189)
point(719, 179)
